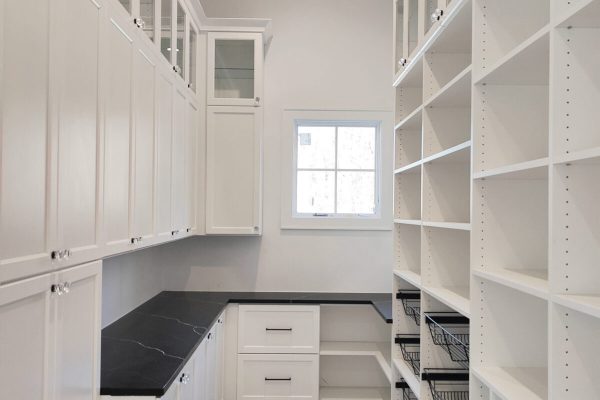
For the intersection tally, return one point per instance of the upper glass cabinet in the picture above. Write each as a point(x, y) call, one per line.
point(166, 29)
point(180, 42)
point(235, 63)
point(147, 17)
point(192, 71)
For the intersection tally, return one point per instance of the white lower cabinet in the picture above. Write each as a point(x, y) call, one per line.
point(233, 170)
point(278, 376)
point(214, 361)
point(50, 336)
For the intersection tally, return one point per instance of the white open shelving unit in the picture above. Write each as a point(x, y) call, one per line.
point(497, 193)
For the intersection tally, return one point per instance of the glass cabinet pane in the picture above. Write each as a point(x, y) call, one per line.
point(193, 54)
point(147, 15)
point(126, 4)
point(234, 68)
point(180, 50)
point(413, 26)
point(165, 28)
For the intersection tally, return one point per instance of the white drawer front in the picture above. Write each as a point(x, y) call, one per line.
point(278, 329)
point(278, 376)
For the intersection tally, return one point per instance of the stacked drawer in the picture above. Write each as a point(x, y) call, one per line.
point(278, 352)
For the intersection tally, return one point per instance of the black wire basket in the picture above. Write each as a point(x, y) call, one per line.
point(407, 393)
point(411, 301)
point(447, 384)
point(450, 331)
point(410, 345)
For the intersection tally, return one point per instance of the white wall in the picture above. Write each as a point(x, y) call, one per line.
point(325, 54)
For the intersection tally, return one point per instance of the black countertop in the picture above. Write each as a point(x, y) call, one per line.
point(145, 350)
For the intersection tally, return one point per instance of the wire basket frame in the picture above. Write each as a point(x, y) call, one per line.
point(411, 302)
point(410, 346)
point(407, 393)
point(451, 332)
point(448, 384)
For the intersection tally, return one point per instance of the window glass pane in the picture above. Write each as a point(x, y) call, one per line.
point(356, 147)
point(180, 51)
point(234, 69)
point(316, 147)
point(147, 15)
point(356, 192)
point(126, 4)
point(315, 192)
point(193, 61)
point(165, 28)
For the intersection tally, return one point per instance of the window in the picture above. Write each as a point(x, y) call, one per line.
point(336, 165)
point(337, 170)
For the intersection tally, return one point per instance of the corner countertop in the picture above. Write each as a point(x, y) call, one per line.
point(144, 351)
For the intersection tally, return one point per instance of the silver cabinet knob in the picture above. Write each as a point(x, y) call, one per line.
point(57, 289)
point(66, 287)
point(60, 254)
point(139, 22)
point(67, 254)
point(135, 240)
point(177, 68)
point(185, 379)
point(437, 15)
point(175, 232)
point(257, 101)
point(402, 62)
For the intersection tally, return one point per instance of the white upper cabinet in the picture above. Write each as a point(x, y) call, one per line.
point(233, 170)
point(77, 127)
point(235, 69)
point(144, 151)
point(191, 164)
point(164, 152)
point(117, 134)
point(178, 180)
point(25, 164)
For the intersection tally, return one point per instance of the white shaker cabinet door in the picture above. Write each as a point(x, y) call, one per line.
point(233, 170)
point(200, 374)
point(77, 352)
point(117, 135)
point(76, 76)
point(191, 172)
point(25, 207)
point(164, 176)
point(143, 177)
point(25, 315)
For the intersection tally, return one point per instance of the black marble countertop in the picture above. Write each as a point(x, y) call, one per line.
point(145, 350)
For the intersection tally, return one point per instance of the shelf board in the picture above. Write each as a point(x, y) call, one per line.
point(530, 281)
point(409, 276)
point(462, 226)
point(456, 93)
point(586, 304)
point(455, 297)
point(416, 222)
point(380, 350)
point(515, 383)
point(407, 373)
point(407, 167)
point(525, 64)
point(411, 120)
point(354, 393)
point(584, 15)
point(587, 156)
point(458, 153)
point(534, 169)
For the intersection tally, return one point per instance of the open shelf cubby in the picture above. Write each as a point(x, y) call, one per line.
point(501, 26)
point(510, 243)
point(576, 232)
point(576, 354)
point(408, 248)
point(512, 341)
point(408, 194)
point(406, 307)
point(446, 188)
point(446, 267)
point(449, 54)
point(409, 93)
point(408, 141)
point(447, 383)
point(576, 85)
point(447, 117)
point(511, 110)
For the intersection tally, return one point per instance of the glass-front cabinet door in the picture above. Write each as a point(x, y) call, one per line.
point(193, 58)
point(146, 17)
point(235, 63)
point(180, 51)
point(166, 29)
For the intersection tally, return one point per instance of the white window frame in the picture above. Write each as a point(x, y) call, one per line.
point(382, 218)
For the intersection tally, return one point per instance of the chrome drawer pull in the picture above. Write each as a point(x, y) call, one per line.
point(279, 329)
point(278, 379)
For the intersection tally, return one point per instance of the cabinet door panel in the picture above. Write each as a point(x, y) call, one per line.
point(233, 203)
point(77, 334)
point(143, 194)
point(190, 164)
point(24, 162)
point(179, 164)
point(117, 135)
point(78, 126)
point(164, 155)
point(200, 373)
point(25, 337)
point(211, 364)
